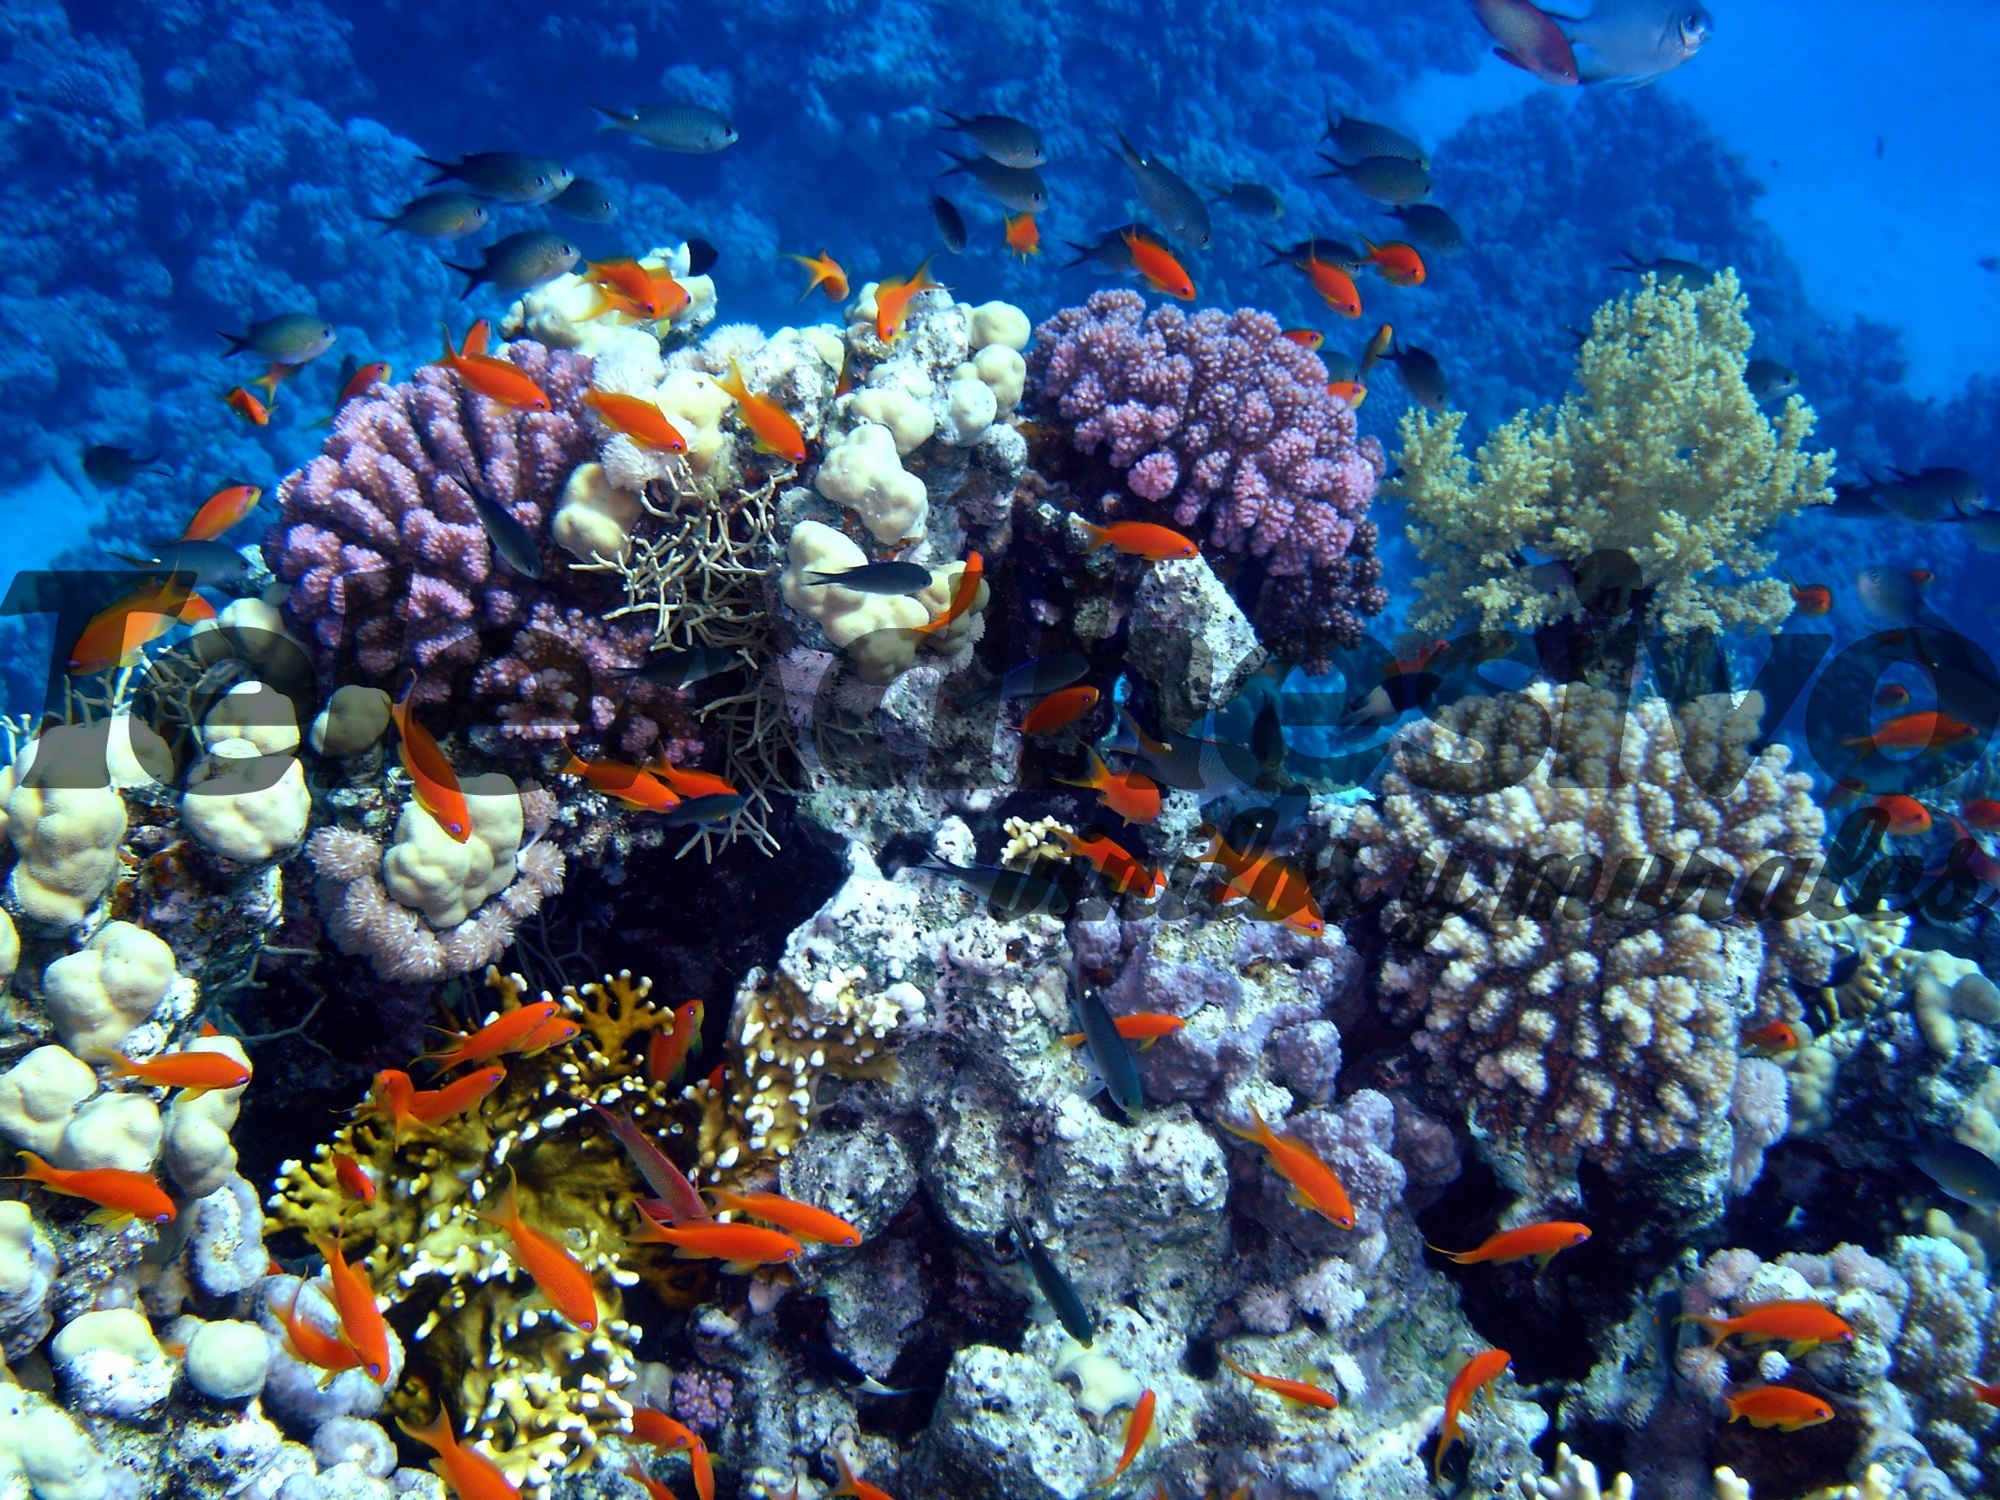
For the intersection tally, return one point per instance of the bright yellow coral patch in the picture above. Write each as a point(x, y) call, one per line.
point(1664, 455)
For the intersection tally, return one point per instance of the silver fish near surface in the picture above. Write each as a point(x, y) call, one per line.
point(1001, 138)
point(1018, 188)
point(691, 129)
point(586, 200)
point(520, 263)
point(1168, 196)
point(288, 338)
point(1635, 41)
point(448, 215)
point(505, 176)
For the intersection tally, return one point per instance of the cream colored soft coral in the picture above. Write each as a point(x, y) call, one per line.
point(1664, 455)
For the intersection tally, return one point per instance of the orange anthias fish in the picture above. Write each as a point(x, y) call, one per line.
point(1811, 599)
point(247, 406)
point(1480, 1371)
point(432, 1107)
point(309, 1344)
point(1927, 730)
point(361, 1322)
point(1778, 1406)
point(389, 1100)
point(639, 419)
point(1771, 1039)
point(738, 1246)
point(1158, 268)
point(826, 273)
point(1298, 1392)
point(1542, 1241)
point(195, 1073)
point(1907, 816)
point(363, 380)
point(559, 1274)
point(1314, 1184)
point(1798, 1325)
point(1335, 287)
point(1982, 813)
point(690, 782)
point(802, 1219)
point(769, 423)
point(1353, 392)
point(667, 1052)
point(963, 593)
point(669, 296)
point(120, 1196)
point(892, 301)
point(1023, 236)
point(632, 282)
point(467, 1473)
point(1060, 710)
point(628, 784)
point(1141, 539)
point(1306, 338)
point(655, 1428)
point(495, 379)
point(1400, 264)
point(118, 633)
point(853, 1484)
point(1115, 863)
point(222, 510)
point(1143, 1026)
point(353, 1178)
point(508, 1033)
point(1276, 889)
point(435, 781)
point(1136, 1429)
point(1130, 794)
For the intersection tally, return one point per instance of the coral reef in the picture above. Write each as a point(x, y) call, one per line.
point(1575, 978)
point(1664, 455)
point(537, 1392)
point(1217, 419)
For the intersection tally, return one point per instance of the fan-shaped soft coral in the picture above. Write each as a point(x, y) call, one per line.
point(1223, 418)
point(1664, 455)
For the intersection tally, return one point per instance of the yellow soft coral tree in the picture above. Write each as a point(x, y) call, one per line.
point(1664, 455)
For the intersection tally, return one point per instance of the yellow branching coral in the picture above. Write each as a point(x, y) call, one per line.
point(482, 1338)
point(1664, 456)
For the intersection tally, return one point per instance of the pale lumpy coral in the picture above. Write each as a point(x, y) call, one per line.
point(1663, 455)
point(1578, 972)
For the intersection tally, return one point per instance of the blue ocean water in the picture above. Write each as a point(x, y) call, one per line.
point(1746, 1104)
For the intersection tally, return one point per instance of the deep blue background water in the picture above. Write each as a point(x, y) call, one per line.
point(167, 169)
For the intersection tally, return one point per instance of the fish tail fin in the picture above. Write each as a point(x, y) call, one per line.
point(734, 386)
point(436, 1434)
point(958, 163)
point(615, 118)
point(36, 1170)
point(444, 331)
point(958, 122)
point(473, 275)
point(445, 169)
point(1714, 1326)
point(1456, 1257)
point(1098, 535)
point(237, 343)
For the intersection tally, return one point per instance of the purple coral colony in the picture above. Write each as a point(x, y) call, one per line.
point(924, 904)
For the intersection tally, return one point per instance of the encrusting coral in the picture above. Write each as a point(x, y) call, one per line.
point(1664, 455)
point(536, 1392)
point(1575, 978)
